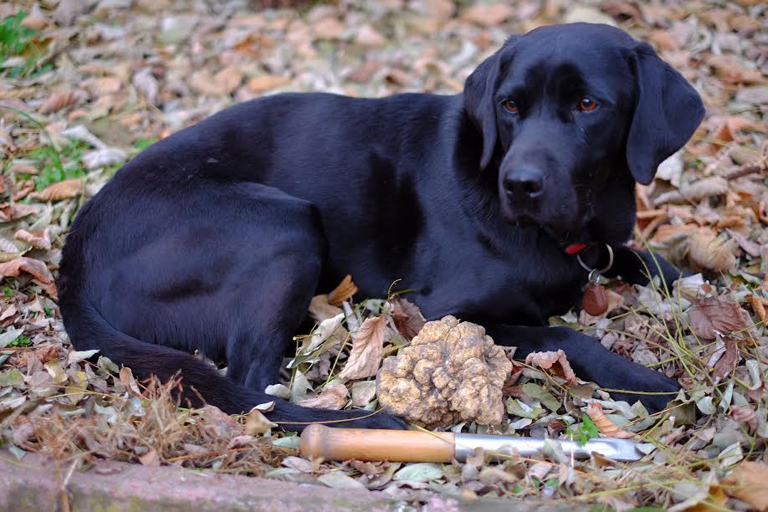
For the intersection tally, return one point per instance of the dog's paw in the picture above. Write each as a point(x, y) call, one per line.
point(379, 420)
point(650, 381)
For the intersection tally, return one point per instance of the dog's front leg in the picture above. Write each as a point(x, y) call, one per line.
point(635, 267)
point(591, 361)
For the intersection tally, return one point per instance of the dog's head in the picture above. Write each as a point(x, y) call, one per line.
point(566, 109)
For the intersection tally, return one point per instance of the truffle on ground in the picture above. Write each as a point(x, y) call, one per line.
point(451, 372)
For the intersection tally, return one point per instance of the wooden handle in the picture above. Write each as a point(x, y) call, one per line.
point(375, 445)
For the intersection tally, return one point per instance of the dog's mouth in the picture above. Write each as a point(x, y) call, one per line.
point(561, 220)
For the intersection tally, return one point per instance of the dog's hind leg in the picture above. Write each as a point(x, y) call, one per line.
point(229, 272)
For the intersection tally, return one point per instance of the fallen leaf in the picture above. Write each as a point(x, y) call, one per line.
point(363, 392)
point(706, 250)
point(487, 15)
point(62, 190)
point(748, 483)
point(703, 188)
point(344, 291)
point(759, 308)
point(727, 362)
point(717, 313)
point(36, 268)
point(407, 317)
point(150, 459)
point(256, 423)
point(104, 157)
point(320, 309)
point(328, 28)
point(58, 100)
point(555, 361)
point(126, 377)
point(228, 79)
point(605, 425)
point(145, 82)
point(367, 347)
point(15, 211)
point(41, 241)
point(266, 82)
point(103, 86)
point(333, 396)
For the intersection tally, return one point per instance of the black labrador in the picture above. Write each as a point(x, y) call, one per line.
point(217, 237)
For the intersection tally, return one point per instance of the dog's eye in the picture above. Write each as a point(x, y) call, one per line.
point(586, 104)
point(511, 106)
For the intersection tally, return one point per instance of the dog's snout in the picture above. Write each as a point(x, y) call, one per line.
point(524, 183)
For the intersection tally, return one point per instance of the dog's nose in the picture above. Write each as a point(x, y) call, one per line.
point(524, 183)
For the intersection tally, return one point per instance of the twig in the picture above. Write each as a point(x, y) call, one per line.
point(746, 170)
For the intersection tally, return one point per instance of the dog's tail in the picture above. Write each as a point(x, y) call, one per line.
point(88, 329)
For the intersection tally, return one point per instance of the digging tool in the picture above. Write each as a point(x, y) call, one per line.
point(417, 446)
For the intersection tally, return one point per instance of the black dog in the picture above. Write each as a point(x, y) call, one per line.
point(217, 237)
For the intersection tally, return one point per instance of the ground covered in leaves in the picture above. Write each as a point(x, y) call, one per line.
point(86, 84)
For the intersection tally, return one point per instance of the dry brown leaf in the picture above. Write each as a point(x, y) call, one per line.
point(407, 317)
point(759, 308)
point(103, 86)
point(15, 211)
point(150, 459)
point(748, 483)
point(266, 82)
point(706, 250)
point(367, 347)
point(730, 70)
point(604, 425)
point(344, 291)
point(717, 313)
point(333, 396)
point(126, 377)
point(24, 169)
point(38, 241)
point(487, 15)
point(556, 361)
point(62, 190)
point(727, 362)
point(707, 187)
point(320, 309)
point(33, 22)
point(228, 79)
point(58, 100)
point(328, 28)
point(256, 423)
point(36, 268)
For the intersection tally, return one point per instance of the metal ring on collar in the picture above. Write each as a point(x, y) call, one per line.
point(607, 267)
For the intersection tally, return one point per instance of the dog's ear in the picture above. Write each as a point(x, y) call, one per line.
point(667, 112)
point(478, 99)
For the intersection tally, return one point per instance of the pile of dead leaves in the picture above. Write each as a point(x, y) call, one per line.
point(86, 85)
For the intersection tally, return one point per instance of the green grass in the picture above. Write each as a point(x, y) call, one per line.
point(143, 143)
point(17, 40)
point(52, 169)
point(21, 341)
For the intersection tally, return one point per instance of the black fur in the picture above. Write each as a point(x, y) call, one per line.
point(217, 237)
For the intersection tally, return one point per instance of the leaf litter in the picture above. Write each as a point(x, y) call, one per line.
point(93, 83)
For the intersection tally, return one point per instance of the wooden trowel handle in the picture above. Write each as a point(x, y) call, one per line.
point(375, 445)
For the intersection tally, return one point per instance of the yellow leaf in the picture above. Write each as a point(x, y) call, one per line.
point(604, 425)
point(749, 483)
point(344, 291)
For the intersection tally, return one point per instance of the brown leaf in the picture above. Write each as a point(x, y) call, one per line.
point(33, 22)
point(604, 425)
point(748, 483)
point(36, 268)
point(15, 211)
point(58, 100)
point(407, 317)
point(150, 459)
point(344, 291)
point(320, 309)
point(103, 86)
point(727, 362)
point(367, 347)
point(126, 377)
point(256, 423)
point(328, 28)
point(706, 250)
point(266, 82)
point(62, 190)
point(555, 361)
point(334, 396)
point(24, 169)
point(487, 15)
point(228, 79)
point(39, 241)
point(717, 313)
point(759, 308)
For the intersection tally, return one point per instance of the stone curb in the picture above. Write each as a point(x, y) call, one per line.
point(33, 484)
